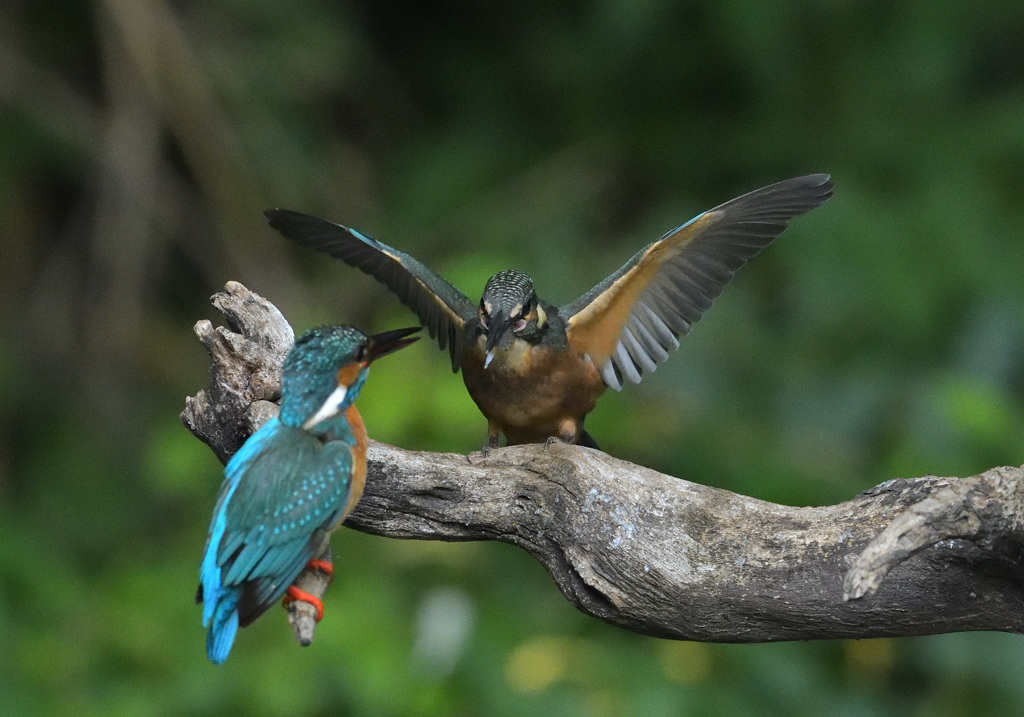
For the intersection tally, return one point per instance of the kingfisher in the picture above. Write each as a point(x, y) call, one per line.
point(291, 483)
point(535, 370)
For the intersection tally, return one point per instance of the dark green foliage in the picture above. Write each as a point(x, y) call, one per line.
point(881, 336)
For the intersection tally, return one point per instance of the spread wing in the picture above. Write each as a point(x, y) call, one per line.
point(629, 322)
point(441, 307)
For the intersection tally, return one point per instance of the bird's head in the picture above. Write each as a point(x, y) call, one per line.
point(508, 305)
point(326, 368)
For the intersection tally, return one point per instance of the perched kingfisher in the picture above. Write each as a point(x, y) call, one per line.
point(292, 483)
point(536, 370)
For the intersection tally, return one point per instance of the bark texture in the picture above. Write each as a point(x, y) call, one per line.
point(660, 555)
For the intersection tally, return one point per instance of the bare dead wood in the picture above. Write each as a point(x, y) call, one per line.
point(659, 555)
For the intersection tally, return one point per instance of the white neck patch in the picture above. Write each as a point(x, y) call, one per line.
point(331, 407)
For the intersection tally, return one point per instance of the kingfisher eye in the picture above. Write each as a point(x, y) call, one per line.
point(527, 308)
point(362, 353)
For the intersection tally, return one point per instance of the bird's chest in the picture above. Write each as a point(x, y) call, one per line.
point(529, 385)
point(358, 428)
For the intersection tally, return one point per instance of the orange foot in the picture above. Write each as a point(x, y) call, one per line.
point(293, 593)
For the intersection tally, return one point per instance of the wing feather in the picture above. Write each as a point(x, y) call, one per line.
point(629, 322)
point(441, 307)
point(651, 344)
point(640, 354)
point(663, 335)
point(288, 494)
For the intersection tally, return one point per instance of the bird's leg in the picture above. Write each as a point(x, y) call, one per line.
point(303, 613)
point(492, 438)
point(294, 593)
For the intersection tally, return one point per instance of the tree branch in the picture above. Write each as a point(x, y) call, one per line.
point(659, 555)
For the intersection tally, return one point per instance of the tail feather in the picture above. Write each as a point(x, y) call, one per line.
point(585, 439)
point(220, 602)
point(223, 627)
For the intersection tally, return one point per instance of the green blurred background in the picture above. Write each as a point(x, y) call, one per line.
point(880, 337)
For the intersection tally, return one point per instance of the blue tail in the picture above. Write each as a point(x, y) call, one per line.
point(220, 609)
point(220, 602)
point(221, 634)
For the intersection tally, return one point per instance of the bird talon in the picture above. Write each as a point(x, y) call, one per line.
point(294, 594)
point(492, 442)
point(324, 566)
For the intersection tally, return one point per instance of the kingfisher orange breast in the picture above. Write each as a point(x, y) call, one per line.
point(355, 422)
point(530, 391)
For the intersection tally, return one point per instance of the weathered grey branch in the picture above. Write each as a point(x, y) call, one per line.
point(660, 555)
point(246, 371)
point(301, 614)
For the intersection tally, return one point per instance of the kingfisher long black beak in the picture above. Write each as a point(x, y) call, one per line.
point(497, 327)
point(390, 341)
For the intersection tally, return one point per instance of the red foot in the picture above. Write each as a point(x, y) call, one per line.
point(324, 566)
point(293, 593)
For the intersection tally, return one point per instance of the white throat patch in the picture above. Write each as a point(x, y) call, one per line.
point(331, 407)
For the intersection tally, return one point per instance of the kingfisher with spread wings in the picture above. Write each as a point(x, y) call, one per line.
point(536, 370)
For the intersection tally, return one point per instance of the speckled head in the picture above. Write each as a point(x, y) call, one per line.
point(325, 370)
point(505, 291)
point(507, 299)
